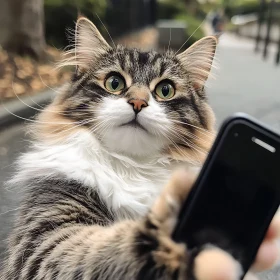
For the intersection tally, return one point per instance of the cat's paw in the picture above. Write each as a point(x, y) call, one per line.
point(166, 208)
point(173, 260)
point(157, 227)
point(213, 263)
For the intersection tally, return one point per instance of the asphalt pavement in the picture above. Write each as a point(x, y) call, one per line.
point(244, 83)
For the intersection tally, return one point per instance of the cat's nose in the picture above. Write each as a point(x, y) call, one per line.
point(137, 104)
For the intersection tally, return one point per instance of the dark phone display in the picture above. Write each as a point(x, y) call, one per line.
point(238, 196)
point(230, 211)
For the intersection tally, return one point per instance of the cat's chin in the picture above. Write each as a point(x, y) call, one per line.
point(132, 139)
point(136, 125)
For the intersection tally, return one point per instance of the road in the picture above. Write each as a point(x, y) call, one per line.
point(244, 83)
point(12, 143)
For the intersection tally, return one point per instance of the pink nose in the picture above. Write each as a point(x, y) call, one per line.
point(137, 104)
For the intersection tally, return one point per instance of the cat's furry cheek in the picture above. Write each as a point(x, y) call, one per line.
point(215, 264)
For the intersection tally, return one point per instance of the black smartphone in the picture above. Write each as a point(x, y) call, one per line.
point(237, 192)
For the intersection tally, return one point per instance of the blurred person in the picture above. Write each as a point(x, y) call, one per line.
point(218, 21)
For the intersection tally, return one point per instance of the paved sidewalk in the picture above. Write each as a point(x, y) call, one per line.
point(245, 82)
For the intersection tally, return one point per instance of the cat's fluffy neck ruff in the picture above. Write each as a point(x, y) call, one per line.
point(127, 185)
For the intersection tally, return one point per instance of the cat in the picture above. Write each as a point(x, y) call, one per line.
point(95, 205)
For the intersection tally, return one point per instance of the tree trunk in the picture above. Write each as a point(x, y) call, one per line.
point(22, 27)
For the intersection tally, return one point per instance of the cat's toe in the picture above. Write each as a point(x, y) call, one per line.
point(215, 264)
point(168, 205)
point(172, 256)
point(180, 185)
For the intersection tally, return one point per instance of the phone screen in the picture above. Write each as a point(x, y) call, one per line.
point(237, 196)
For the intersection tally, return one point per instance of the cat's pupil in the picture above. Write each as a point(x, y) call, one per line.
point(115, 83)
point(165, 90)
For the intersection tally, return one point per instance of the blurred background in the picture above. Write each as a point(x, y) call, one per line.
point(33, 35)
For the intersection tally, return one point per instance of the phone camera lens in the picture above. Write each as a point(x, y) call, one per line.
point(235, 134)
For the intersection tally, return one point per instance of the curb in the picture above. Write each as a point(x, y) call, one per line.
point(22, 108)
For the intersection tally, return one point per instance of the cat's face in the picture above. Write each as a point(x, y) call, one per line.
point(140, 103)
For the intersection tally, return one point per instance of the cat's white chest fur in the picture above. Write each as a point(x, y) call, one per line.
point(127, 185)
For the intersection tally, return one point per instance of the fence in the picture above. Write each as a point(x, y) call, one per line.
point(124, 16)
point(269, 14)
point(121, 17)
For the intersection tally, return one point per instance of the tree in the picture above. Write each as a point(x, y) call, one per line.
point(22, 27)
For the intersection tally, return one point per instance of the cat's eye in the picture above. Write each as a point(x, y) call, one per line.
point(114, 83)
point(165, 90)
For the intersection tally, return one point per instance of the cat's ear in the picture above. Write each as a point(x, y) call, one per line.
point(198, 59)
point(89, 43)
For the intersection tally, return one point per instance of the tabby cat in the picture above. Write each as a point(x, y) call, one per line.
point(95, 206)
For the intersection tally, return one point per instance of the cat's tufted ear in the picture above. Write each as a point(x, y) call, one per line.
point(198, 59)
point(89, 43)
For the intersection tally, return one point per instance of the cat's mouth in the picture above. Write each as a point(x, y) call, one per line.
point(136, 124)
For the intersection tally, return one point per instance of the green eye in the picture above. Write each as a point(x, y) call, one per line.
point(165, 90)
point(114, 83)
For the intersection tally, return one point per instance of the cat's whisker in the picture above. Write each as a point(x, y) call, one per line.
point(36, 109)
point(192, 145)
point(169, 39)
point(193, 136)
point(101, 126)
point(186, 157)
point(9, 211)
point(191, 36)
point(106, 30)
point(25, 119)
point(197, 127)
point(158, 135)
point(180, 150)
point(40, 106)
point(181, 131)
point(106, 125)
point(36, 121)
point(185, 132)
point(43, 82)
point(188, 143)
point(180, 135)
point(62, 131)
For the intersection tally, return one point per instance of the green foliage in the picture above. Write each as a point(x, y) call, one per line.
point(239, 3)
point(61, 15)
point(169, 9)
point(193, 28)
point(94, 6)
point(234, 7)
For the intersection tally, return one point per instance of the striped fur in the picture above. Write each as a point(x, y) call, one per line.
point(95, 206)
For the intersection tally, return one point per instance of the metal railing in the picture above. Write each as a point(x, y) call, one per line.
point(269, 14)
point(125, 16)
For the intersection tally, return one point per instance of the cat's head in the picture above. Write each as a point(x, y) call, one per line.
point(137, 103)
